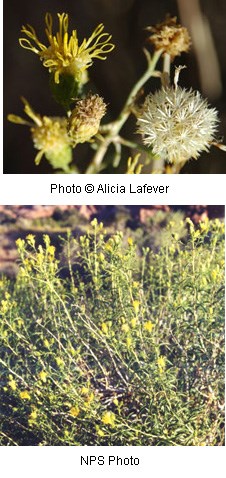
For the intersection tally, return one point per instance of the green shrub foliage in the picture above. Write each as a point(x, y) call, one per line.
point(127, 348)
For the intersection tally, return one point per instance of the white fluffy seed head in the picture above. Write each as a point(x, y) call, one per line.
point(178, 124)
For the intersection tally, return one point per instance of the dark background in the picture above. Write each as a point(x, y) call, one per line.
point(24, 74)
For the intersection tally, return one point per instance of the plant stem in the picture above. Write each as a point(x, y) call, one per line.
point(114, 127)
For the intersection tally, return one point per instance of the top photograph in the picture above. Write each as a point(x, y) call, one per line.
point(114, 87)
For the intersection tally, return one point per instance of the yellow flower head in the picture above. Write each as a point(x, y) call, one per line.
point(108, 418)
point(63, 55)
point(104, 328)
point(49, 135)
point(136, 306)
point(33, 415)
point(148, 326)
point(12, 384)
point(25, 395)
point(43, 376)
point(74, 411)
point(125, 327)
point(161, 361)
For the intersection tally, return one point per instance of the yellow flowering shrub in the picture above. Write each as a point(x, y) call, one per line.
point(134, 357)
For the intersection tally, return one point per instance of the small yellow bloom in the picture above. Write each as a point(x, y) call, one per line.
point(50, 137)
point(148, 326)
point(128, 341)
point(4, 306)
point(20, 322)
point(63, 55)
point(130, 241)
point(133, 322)
point(43, 376)
point(59, 361)
point(84, 390)
point(161, 363)
point(46, 343)
point(25, 395)
point(136, 306)
point(20, 243)
point(108, 418)
point(74, 411)
point(12, 384)
point(125, 328)
point(33, 415)
point(135, 284)
point(51, 250)
point(104, 328)
point(100, 432)
point(31, 239)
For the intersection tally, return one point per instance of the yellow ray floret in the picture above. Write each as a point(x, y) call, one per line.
point(64, 55)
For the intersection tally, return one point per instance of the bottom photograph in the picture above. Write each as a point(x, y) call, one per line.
point(112, 325)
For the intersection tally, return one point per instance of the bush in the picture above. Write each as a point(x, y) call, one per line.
point(128, 350)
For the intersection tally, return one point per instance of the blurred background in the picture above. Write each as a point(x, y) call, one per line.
point(125, 20)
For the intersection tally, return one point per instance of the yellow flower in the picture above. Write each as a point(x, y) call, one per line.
point(12, 384)
point(74, 411)
point(46, 343)
point(108, 418)
point(33, 415)
point(4, 306)
point(130, 241)
point(161, 363)
point(59, 361)
point(104, 328)
point(20, 322)
point(135, 284)
point(42, 375)
point(128, 341)
point(100, 432)
point(25, 395)
point(63, 55)
point(31, 239)
point(125, 327)
point(51, 250)
point(136, 306)
point(133, 322)
point(84, 390)
point(148, 326)
point(20, 243)
point(50, 137)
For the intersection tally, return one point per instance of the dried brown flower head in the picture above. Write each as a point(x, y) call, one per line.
point(85, 118)
point(170, 36)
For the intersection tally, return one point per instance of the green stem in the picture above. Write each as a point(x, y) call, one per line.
point(114, 127)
